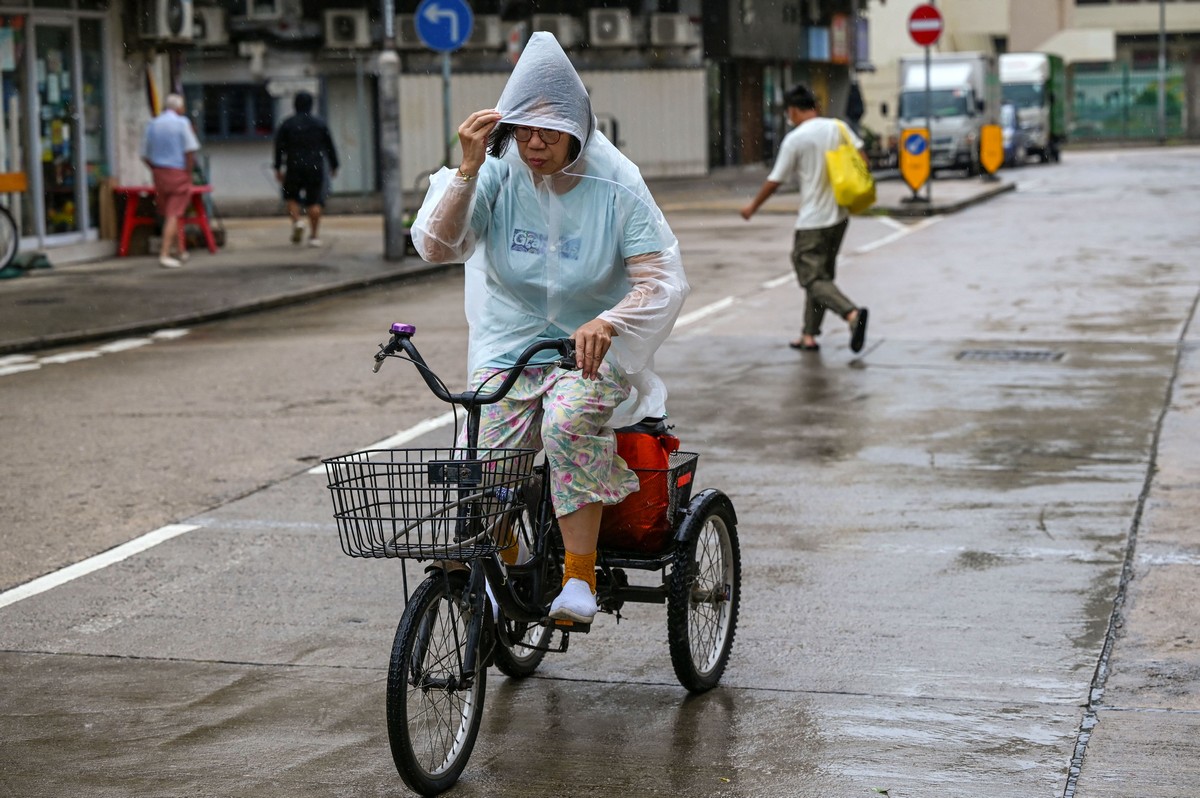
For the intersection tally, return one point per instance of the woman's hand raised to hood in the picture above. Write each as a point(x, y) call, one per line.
point(473, 138)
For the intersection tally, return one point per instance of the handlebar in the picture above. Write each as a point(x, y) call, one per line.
point(402, 341)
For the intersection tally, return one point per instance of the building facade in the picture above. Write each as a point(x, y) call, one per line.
point(680, 85)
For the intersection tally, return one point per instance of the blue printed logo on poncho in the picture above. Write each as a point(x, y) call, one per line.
point(534, 243)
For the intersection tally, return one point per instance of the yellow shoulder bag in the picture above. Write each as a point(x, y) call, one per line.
point(853, 186)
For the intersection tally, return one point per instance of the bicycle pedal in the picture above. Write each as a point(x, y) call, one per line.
point(568, 625)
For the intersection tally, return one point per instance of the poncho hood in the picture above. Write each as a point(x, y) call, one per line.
point(544, 90)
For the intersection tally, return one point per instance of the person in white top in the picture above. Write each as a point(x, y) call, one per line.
point(821, 223)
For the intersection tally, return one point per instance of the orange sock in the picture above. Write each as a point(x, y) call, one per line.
point(510, 548)
point(510, 553)
point(580, 566)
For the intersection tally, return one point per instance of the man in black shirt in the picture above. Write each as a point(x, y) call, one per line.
point(304, 143)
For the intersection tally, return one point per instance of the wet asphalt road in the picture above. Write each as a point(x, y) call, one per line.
point(934, 535)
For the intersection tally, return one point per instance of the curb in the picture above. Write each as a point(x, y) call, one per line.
point(917, 210)
point(201, 317)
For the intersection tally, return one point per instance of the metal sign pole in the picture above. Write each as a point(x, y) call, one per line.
point(389, 140)
point(929, 126)
point(1162, 72)
point(446, 105)
point(929, 117)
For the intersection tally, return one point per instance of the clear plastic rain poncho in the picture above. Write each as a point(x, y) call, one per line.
point(545, 255)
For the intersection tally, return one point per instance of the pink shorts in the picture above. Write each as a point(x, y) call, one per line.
point(555, 409)
point(173, 188)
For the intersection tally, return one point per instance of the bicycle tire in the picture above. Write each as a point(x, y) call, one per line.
point(520, 661)
point(704, 592)
point(432, 724)
point(9, 240)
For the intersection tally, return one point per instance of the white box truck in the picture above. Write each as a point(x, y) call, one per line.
point(1036, 84)
point(964, 90)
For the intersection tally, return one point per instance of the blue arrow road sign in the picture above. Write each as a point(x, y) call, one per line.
point(914, 144)
point(443, 25)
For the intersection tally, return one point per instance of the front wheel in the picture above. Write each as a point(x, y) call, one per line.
point(434, 708)
point(703, 592)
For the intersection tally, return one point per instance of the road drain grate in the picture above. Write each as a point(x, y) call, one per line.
point(1010, 355)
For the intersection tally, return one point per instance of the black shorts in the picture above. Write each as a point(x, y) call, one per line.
point(305, 187)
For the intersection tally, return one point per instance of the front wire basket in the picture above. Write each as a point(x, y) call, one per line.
point(426, 503)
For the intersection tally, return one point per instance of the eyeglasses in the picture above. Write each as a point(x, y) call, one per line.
point(524, 134)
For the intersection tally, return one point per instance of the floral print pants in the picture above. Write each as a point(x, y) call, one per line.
point(556, 409)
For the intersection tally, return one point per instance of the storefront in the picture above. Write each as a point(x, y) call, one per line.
point(53, 116)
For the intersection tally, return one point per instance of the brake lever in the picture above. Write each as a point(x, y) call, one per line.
point(567, 361)
point(381, 356)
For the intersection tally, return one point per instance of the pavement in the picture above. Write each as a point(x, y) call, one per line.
point(259, 268)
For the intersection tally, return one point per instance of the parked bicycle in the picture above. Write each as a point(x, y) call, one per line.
point(459, 508)
point(10, 238)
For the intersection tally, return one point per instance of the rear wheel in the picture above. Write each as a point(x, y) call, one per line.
point(520, 656)
point(433, 712)
point(703, 593)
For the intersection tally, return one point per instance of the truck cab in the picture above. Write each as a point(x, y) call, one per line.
point(1036, 84)
point(964, 95)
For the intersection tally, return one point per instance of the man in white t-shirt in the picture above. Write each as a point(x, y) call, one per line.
point(821, 223)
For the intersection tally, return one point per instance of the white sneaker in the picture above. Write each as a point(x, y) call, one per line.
point(169, 263)
point(576, 602)
point(314, 242)
point(297, 231)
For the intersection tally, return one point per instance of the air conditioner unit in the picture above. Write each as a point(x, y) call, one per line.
point(265, 10)
point(564, 27)
point(486, 33)
point(165, 21)
point(406, 33)
point(611, 27)
point(209, 28)
point(673, 30)
point(347, 29)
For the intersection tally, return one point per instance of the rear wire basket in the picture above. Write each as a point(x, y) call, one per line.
point(645, 521)
point(426, 503)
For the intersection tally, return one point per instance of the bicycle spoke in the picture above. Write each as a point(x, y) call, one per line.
point(438, 706)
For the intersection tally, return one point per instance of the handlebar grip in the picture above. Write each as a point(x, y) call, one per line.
point(400, 332)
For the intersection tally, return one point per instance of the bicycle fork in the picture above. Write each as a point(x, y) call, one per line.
point(462, 675)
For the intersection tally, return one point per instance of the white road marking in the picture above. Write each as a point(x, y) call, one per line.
point(102, 560)
point(896, 236)
point(124, 344)
point(707, 310)
point(15, 364)
point(17, 369)
point(401, 437)
point(70, 357)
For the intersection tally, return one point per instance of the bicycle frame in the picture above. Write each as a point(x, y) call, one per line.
point(474, 610)
point(493, 570)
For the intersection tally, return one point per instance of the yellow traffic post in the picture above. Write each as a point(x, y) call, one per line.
point(914, 159)
point(991, 148)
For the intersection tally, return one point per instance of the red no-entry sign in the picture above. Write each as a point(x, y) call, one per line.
point(925, 25)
